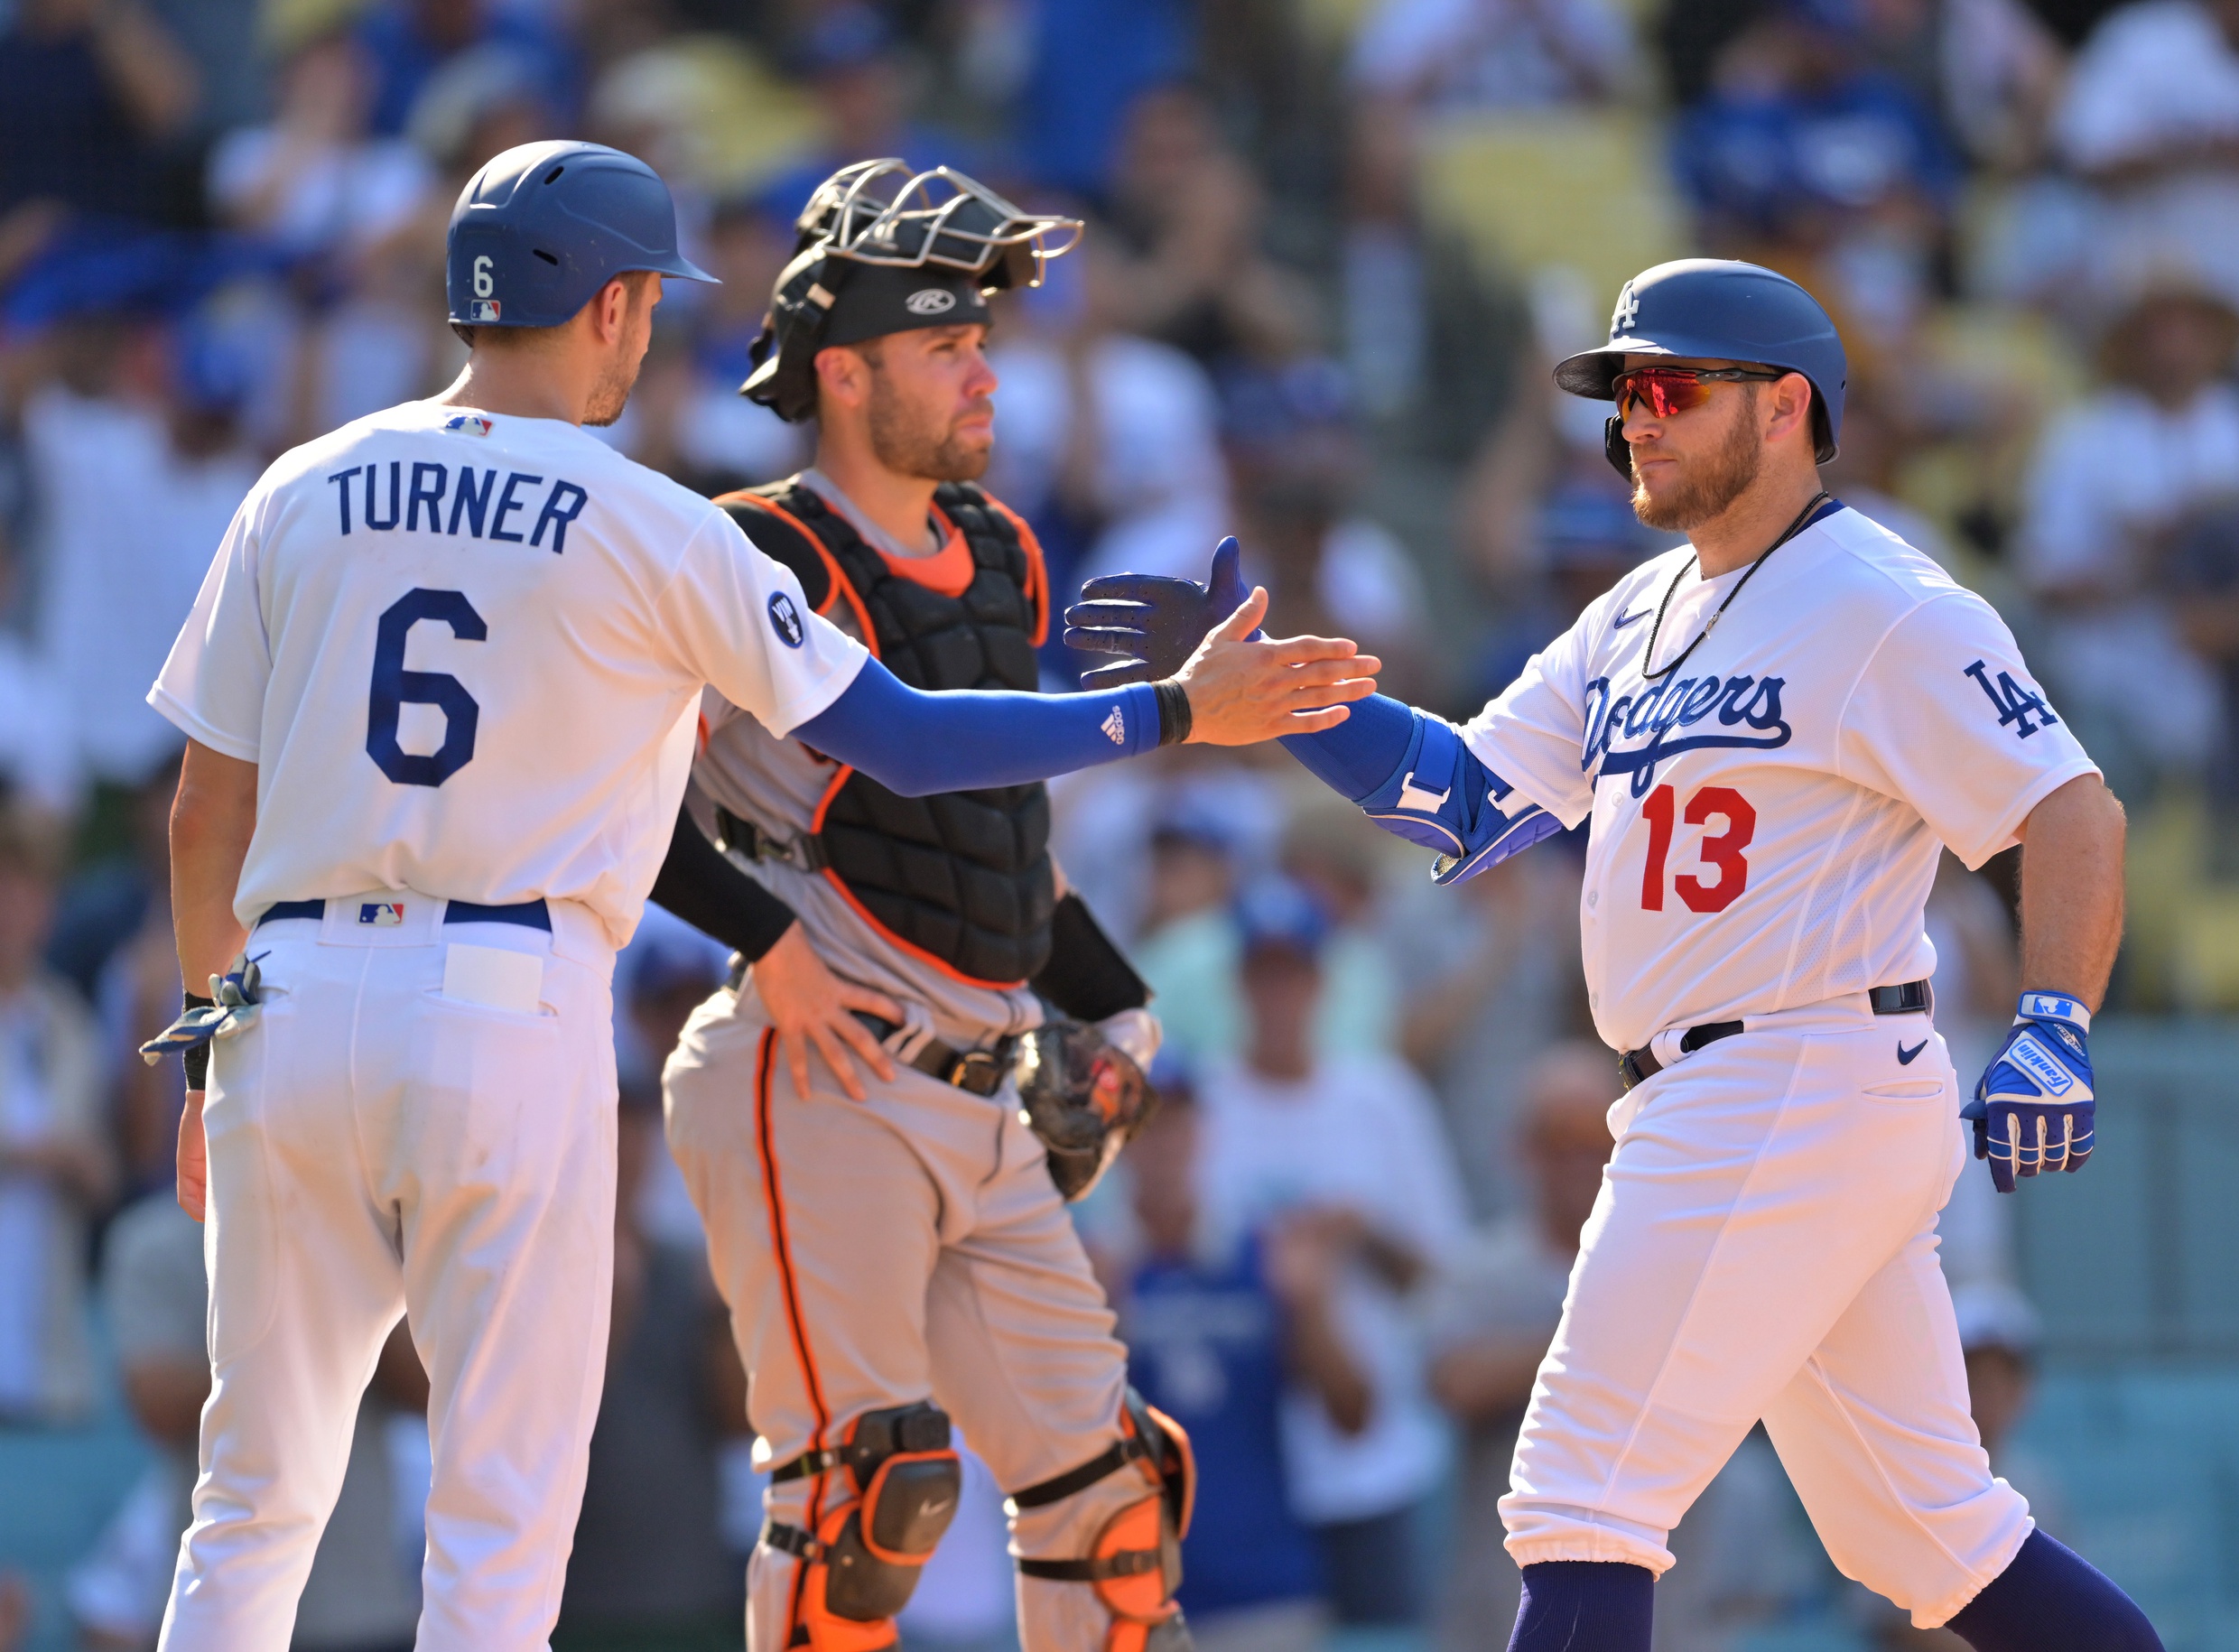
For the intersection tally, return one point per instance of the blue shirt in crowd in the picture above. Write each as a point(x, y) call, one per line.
point(1205, 1346)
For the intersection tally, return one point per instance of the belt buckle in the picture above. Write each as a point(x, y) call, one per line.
point(977, 1071)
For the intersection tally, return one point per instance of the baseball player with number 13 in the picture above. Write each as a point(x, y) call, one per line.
point(1775, 731)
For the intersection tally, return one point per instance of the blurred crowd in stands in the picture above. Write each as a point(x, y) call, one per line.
point(1333, 246)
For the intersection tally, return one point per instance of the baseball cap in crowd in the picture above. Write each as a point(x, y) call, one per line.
point(1193, 822)
point(843, 37)
point(1279, 914)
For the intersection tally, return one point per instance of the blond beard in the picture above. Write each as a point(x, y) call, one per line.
point(1718, 481)
point(909, 449)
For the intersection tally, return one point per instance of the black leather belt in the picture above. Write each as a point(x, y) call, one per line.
point(748, 838)
point(980, 1072)
point(528, 915)
point(1638, 1066)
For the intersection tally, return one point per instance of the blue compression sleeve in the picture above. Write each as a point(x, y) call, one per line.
point(1413, 775)
point(917, 744)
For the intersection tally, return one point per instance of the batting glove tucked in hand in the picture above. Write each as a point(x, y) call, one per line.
point(231, 1012)
point(2032, 1110)
point(1152, 621)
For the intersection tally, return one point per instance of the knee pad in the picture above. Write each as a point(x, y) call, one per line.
point(898, 1481)
point(1135, 1563)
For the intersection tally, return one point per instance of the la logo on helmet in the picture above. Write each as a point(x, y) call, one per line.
point(1628, 307)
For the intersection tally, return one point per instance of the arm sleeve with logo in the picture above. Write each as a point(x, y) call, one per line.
point(1947, 718)
point(212, 687)
point(1533, 733)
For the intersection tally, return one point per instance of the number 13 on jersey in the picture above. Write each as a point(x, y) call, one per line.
point(1722, 849)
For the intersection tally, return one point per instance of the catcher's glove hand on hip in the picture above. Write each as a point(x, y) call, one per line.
point(2032, 1110)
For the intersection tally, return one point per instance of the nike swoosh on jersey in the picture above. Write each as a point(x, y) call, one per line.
point(1904, 1056)
point(1623, 621)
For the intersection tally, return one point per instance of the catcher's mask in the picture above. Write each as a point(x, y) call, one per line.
point(882, 250)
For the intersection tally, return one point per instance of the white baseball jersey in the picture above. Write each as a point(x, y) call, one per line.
point(466, 651)
point(1767, 817)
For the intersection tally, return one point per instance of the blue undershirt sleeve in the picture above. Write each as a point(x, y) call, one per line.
point(1412, 776)
point(919, 744)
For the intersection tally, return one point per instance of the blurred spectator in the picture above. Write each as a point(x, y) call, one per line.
point(2204, 581)
point(1494, 1311)
point(363, 1591)
point(691, 421)
point(56, 1168)
point(38, 755)
point(2151, 117)
point(1189, 213)
point(1804, 155)
point(1337, 1162)
point(340, 205)
point(90, 90)
point(1585, 538)
point(16, 1611)
point(1108, 442)
point(667, 971)
point(1085, 62)
point(649, 1567)
point(409, 41)
point(2117, 477)
point(1491, 1317)
point(1491, 977)
point(1297, 456)
point(137, 467)
point(1990, 68)
point(1191, 949)
point(224, 40)
point(1207, 1344)
point(1448, 55)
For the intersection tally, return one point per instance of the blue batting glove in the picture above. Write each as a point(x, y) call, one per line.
point(2032, 1110)
point(232, 1013)
point(1154, 622)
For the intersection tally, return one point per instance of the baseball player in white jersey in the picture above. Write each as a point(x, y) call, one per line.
point(887, 1222)
point(441, 686)
point(1774, 731)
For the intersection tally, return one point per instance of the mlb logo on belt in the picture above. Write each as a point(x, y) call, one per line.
point(467, 424)
point(381, 914)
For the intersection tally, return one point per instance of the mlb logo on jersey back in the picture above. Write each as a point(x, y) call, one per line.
point(381, 914)
point(468, 424)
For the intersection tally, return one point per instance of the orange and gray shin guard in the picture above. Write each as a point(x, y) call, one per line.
point(1135, 1564)
point(898, 1481)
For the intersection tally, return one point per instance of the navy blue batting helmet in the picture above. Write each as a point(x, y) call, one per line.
point(1720, 309)
point(543, 227)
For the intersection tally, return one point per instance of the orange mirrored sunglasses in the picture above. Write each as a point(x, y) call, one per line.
point(1665, 391)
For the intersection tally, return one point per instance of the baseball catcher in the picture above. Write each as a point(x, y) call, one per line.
point(927, 1044)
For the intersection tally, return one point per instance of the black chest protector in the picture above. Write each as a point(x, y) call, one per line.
point(962, 878)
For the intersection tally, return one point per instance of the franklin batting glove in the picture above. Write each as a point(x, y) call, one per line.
point(232, 1011)
point(1154, 622)
point(2032, 1110)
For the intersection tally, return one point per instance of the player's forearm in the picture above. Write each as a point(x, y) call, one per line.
point(212, 818)
point(699, 885)
point(1320, 1359)
point(1489, 1378)
point(919, 744)
point(2072, 891)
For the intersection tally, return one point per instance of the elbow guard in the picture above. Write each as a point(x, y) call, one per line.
point(1443, 798)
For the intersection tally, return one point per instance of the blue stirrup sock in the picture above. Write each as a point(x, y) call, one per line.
point(1585, 1606)
point(2051, 1598)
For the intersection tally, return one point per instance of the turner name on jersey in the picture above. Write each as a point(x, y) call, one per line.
point(1767, 816)
point(410, 617)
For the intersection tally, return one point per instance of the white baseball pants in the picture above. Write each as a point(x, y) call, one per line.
point(380, 1145)
point(1764, 1246)
point(882, 1252)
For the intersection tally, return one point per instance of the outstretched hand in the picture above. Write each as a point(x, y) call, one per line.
point(1153, 622)
point(1242, 691)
